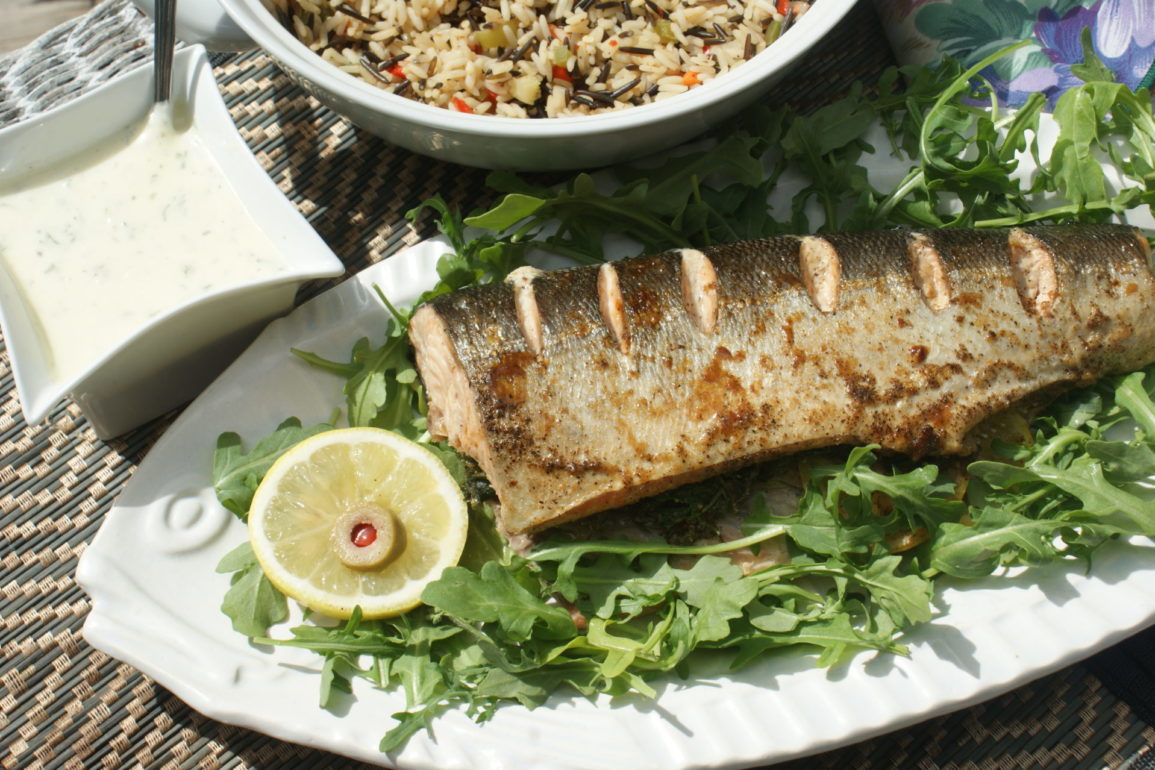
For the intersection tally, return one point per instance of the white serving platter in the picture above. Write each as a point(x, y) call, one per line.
point(155, 604)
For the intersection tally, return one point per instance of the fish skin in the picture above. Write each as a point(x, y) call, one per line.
point(582, 426)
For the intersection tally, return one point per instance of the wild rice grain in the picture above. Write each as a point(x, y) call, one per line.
point(349, 10)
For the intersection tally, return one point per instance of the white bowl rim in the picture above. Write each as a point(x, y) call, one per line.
point(268, 33)
point(192, 64)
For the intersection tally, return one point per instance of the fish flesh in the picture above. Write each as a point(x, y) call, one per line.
point(583, 389)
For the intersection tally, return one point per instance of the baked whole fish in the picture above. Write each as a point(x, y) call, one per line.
point(584, 389)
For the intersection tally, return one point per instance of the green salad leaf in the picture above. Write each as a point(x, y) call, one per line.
point(252, 602)
point(492, 595)
point(236, 473)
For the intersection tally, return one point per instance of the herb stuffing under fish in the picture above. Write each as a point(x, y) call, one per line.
point(584, 389)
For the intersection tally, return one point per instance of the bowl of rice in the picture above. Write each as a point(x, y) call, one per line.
point(536, 85)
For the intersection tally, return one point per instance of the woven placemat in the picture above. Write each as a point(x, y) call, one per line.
point(64, 704)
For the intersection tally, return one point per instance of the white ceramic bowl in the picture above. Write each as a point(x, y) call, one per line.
point(543, 144)
point(180, 350)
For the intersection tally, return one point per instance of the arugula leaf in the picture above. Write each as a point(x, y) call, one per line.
point(333, 681)
point(473, 260)
point(512, 209)
point(669, 188)
point(381, 386)
point(1077, 172)
point(494, 596)
point(852, 509)
point(252, 603)
point(819, 529)
point(1123, 462)
point(409, 723)
point(906, 598)
point(532, 688)
point(835, 637)
point(236, 473)
point(996, 536)
point(1091, 69)
point(1083, 480)
point(1061, 496)
point(719, 592)
point(616, 587)
point(1136, 399)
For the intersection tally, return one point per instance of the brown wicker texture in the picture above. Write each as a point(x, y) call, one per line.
point(63, 704)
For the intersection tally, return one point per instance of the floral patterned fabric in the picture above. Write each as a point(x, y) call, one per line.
point(1122, 33)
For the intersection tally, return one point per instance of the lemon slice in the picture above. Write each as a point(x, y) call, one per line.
point(357, 517)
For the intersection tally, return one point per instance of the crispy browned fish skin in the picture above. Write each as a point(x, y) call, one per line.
point(859, 348)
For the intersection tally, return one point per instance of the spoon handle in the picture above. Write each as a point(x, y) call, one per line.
point(164, 42)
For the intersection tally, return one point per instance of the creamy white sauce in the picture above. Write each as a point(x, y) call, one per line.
point(100, 247)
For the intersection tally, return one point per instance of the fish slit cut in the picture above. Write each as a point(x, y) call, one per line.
point(929, 272)
point(700, 290)
point(821, 270)
point(613, 306)
point(525, 306)
point(1145, 245)
point(1033, 267)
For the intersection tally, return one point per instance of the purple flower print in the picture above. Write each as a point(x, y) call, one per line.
point(1124, 37)
point(1122, 34)
point(1060, 37)
point(1050, 81)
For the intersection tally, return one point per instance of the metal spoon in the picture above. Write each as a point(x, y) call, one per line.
point(163, 45)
